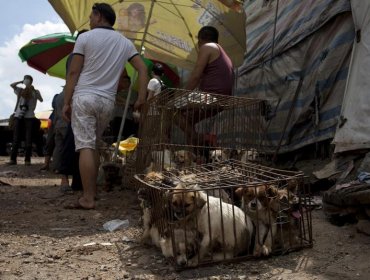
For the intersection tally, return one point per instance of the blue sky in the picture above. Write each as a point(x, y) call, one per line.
point(20, 21)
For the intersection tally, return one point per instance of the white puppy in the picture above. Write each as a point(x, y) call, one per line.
point(161, 160)
point(215, 223)
point(249, 155)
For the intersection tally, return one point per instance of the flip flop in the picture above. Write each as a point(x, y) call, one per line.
point(77, 206)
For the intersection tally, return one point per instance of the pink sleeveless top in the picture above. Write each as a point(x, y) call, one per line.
point(218, 75)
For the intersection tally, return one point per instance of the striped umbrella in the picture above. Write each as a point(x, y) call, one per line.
point(48, 54)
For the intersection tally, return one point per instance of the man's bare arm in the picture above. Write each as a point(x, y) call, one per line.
point(140, 67)
point(202, 61)
point(72, 78)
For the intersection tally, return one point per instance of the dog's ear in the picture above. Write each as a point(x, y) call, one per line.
point(198, 199)
point(239, 192)
point(292, 185)
point(272, 191)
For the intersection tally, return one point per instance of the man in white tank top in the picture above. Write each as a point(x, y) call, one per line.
point(97, 65)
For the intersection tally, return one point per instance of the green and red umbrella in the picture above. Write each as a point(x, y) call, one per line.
point(48, 54)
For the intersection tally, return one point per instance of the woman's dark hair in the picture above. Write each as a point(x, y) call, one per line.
point(158, 69)
point(208, 33)
point(106, 11)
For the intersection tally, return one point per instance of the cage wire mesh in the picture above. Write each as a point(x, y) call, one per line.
point(225, 211)
point(181, 128)
point(203, 194)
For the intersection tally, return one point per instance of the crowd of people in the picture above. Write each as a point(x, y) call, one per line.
point(94, 96)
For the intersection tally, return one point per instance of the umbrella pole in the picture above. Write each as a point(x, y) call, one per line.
point(115, 154)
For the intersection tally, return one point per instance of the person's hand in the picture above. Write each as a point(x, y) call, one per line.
point(139, 103)
point(136, 116)
point(66, 114)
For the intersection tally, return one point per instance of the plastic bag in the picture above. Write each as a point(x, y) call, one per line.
point(116, 224)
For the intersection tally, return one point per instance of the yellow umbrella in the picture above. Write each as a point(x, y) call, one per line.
point(166, 29)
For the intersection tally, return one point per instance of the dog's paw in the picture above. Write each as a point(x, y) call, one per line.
point(192, 262)
point(257, 250)
point(265, 250)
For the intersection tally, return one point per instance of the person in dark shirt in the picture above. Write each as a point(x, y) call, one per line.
point(213, 73)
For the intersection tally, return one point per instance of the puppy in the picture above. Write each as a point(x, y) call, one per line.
point(222, 155)
point(208, 212)
point(186, 245)
point(161, 160)
point(184, 158)
point(259, 203)
point(218, 156)
point(154, 207)
point(112, 175)
point(288, 221)
point(249, 155)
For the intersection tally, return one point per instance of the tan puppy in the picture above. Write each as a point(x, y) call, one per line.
point(184, 158)
point(288, 220)
point(147, 204)
point(258, 202)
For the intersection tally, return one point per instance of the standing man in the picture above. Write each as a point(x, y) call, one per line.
point(97, 64)
point(24, 115)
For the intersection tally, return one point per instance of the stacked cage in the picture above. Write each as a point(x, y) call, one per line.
point(224, 211)
point(204, 196)
point(181, 128)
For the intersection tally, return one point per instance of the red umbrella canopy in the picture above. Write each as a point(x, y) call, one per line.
point(48, 54)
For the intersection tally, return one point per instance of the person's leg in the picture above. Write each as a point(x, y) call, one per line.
point(90, 116)
point(50, 145)
point(59, 136)
point(16, 140)
point(76, 184)
point(88, 170)
point(28, 123)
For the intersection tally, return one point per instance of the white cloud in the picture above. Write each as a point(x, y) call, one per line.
point(12, 69)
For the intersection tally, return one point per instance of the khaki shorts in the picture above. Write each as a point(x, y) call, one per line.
point(90, 117)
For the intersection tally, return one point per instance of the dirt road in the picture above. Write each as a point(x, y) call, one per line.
point(39, 239)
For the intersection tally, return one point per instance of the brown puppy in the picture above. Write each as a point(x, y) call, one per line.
point(258, 203)
point(184, 158)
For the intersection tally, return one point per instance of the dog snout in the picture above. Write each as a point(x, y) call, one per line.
point(181, 261)
point(253, 204)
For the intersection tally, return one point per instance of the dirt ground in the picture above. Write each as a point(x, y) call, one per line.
point(39, 239)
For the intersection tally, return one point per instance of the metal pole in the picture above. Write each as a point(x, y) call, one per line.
point(130, 89)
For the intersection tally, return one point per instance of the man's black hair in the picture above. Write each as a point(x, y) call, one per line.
point(208, 33)
point(80, 32)
point(29, 77)
point(106, 11)
point(158, 69)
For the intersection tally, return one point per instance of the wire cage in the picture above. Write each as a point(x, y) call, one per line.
point(225, 211)
point(180, 128)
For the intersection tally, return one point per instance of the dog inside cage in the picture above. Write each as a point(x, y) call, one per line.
point(224, 211)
